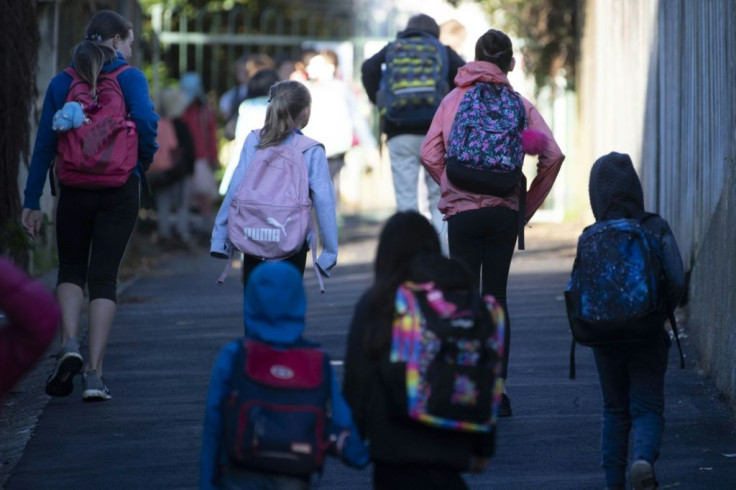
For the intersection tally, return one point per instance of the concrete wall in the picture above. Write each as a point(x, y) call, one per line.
point(657, 81)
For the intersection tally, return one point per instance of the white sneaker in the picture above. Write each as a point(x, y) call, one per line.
point(94, 389)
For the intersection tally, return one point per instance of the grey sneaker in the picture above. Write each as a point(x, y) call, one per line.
point(642, 475)
point(68, 364)
point(93, 387)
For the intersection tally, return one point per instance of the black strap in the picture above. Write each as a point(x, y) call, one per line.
point(673, 324)
point(52, 178)
point(572, 359)
point(522, 211)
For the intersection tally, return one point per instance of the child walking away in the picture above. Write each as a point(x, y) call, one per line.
point(266, 213)
point(274, 409)
point(627, 279)
point(474, 149)
point(423, 362)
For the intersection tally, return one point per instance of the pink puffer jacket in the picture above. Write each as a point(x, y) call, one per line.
point(455, 200)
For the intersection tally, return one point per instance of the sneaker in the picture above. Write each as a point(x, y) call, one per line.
point(504, 408)
point(68, 364)
point(642, 475)
point(94, 389)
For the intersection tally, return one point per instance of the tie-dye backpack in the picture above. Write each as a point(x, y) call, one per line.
point(445, 359)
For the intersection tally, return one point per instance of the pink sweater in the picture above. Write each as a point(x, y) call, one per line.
point(456, 200)
point(32, 320)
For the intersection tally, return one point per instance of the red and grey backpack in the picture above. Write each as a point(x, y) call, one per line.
point(276, 416)
point(103, 151)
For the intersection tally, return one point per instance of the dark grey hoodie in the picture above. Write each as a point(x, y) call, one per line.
point(615, 192)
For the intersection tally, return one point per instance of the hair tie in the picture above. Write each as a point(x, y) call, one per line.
point(93, 37)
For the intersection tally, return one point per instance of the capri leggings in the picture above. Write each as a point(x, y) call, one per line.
point(92, 231)
point(484, 238)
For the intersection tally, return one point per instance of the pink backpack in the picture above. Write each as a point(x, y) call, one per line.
point(270, 213)
point(103, 151)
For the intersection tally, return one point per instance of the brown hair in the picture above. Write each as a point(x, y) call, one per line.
point(286, 100)
point(90, 55)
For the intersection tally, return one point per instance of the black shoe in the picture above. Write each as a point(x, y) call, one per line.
point(504, 408)
point(68, 365)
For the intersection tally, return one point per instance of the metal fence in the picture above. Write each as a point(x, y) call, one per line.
point(210, 42)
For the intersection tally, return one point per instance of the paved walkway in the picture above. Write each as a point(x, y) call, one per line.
point(173, 319)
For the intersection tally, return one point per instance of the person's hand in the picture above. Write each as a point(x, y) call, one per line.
point(31, 220)
point(479, 465)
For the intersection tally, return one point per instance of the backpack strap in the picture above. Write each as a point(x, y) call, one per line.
point(522, 194)
point(572, 359)
point(303, 143)
point(673, 324)
point(522, 211)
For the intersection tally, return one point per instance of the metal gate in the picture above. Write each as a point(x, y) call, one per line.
point(210, 42)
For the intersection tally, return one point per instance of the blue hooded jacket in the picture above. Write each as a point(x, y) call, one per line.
point(275, 309)
point(137, 101)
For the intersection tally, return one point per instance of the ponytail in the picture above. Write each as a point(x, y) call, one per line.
point(286, 101)
point(91, 54)
point(89, 58)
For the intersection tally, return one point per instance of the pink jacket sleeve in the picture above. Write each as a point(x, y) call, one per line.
point(433, 146)
point(32, 319)
point(548, 165)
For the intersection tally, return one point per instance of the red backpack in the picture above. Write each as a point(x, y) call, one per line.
point(103, 151)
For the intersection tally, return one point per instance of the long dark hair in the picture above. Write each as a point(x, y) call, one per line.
point(405, 236)
point(90, 55)
point(287, 99)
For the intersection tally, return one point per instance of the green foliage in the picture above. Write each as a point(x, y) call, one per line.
point(549, 30)
point(211, 5)
point(15, 241)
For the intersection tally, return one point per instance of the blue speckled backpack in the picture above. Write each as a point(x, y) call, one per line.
point(616, 290)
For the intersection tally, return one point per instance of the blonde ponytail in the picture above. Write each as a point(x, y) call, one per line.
point(287, 100)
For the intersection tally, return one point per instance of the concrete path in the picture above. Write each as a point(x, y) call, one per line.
point(173, 319)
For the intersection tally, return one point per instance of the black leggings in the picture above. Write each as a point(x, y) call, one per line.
point(426, 477)
point(484, 238)
point(92, 231)
point(298, 260)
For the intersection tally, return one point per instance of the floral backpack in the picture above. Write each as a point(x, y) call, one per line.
point(487, 143)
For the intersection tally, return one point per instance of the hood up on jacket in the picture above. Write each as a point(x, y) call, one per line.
point(480, 71)
point(614, 188)
point(275, 304)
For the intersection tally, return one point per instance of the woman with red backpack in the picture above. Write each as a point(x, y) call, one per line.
point(99, 192)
